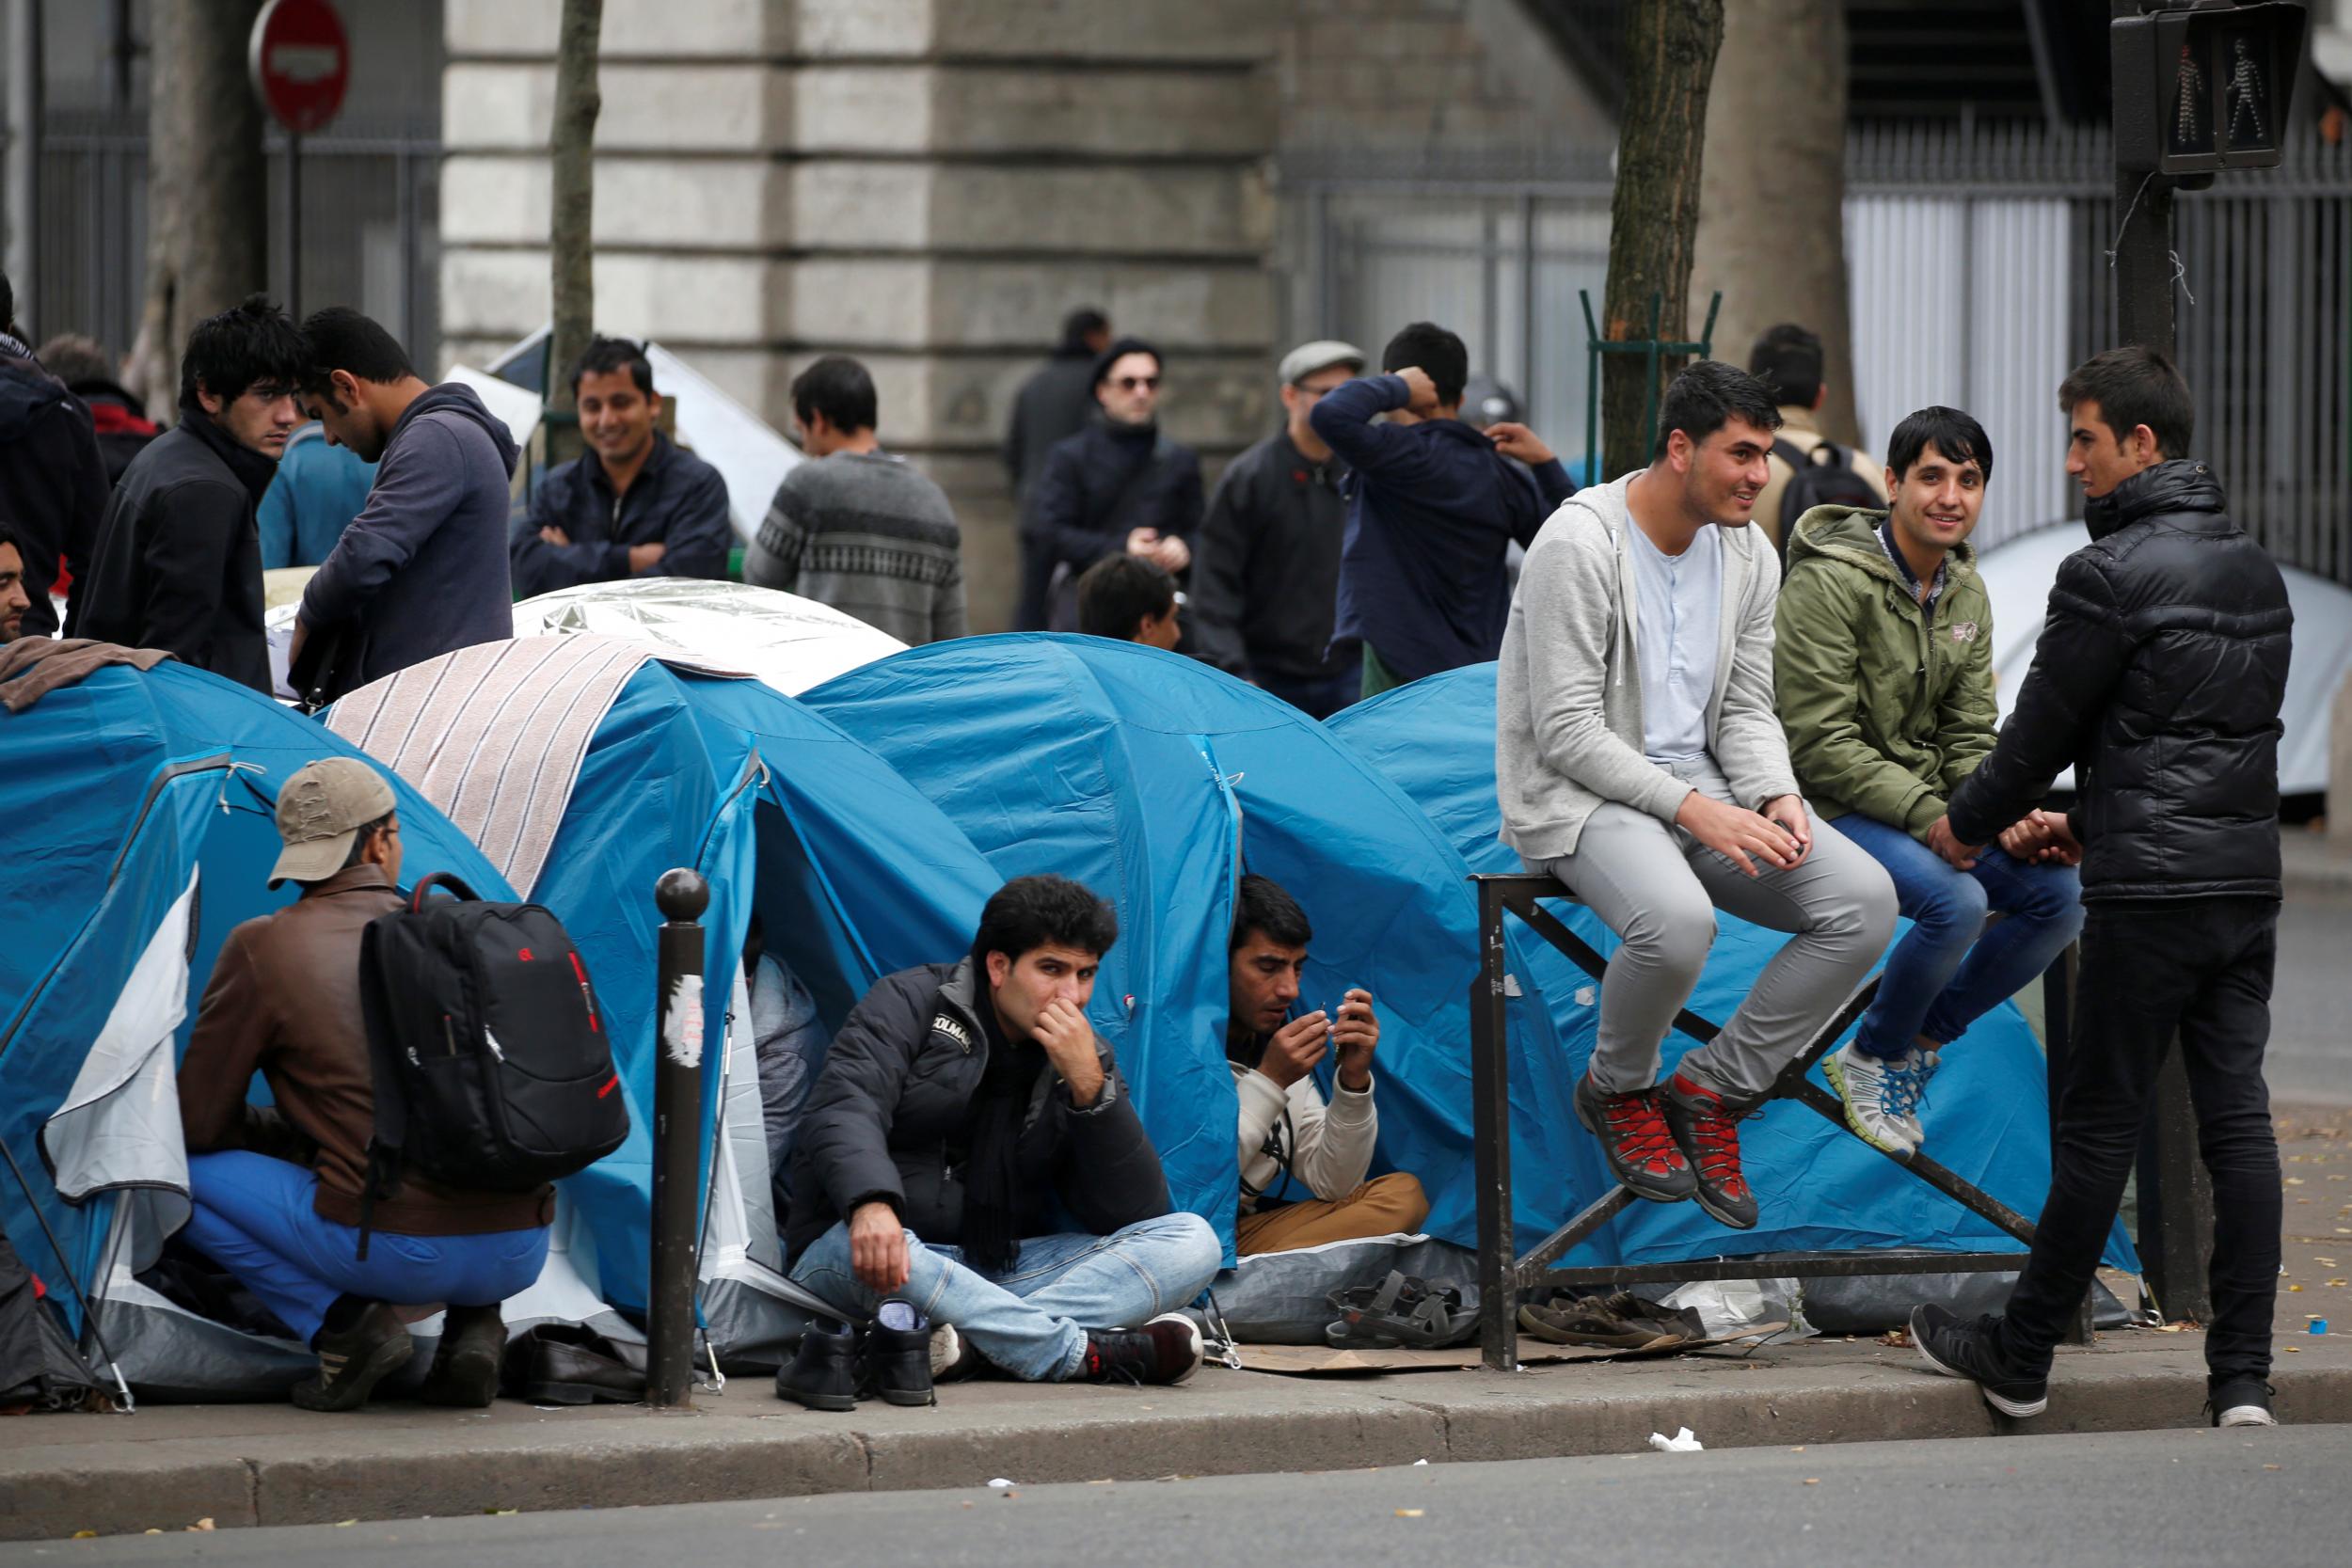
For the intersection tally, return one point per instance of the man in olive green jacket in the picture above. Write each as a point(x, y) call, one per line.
point(1883, 672)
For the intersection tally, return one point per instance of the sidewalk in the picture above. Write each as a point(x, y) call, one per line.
point(169, 1467)
point(2313, 863)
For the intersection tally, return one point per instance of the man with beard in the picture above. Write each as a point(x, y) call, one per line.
point(178, 560)
point(1640, 761)
point(14, 601)
point(423, 570)
point(1117, 484)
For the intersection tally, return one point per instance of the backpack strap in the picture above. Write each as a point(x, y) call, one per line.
point(390, 1106)
point(1789, 452)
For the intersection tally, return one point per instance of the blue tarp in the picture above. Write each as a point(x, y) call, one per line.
point(854, 872)
point(1157, 780)
point(115, 791)
point(1820, 1188)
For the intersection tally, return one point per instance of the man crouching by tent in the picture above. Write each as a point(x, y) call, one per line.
point(960, 1104)
point(1290, 1135)
point(275, 1188)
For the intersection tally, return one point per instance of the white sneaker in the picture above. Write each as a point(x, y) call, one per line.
point(1875, 1099)
point(1911, 1071)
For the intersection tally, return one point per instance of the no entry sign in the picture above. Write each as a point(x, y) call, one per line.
point(301, 62)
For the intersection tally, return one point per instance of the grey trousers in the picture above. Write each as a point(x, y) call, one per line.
point(1659, 889)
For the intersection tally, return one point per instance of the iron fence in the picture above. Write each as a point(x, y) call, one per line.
point(371, 222)
point(1979, 277)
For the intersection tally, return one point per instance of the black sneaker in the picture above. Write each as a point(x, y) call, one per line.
point(822, 1374)
point(1957, 1347)
point(1707, 1133)
point(2239, 1401)
point(894, 1357)
point(464, 1370)
point(1634, 1141)
point(1166, 1350)
point(352, 1361)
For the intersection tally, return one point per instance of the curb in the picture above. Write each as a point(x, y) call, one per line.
point(403, 1464)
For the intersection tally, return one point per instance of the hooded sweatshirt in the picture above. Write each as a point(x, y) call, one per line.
point(423, 570)
point(1888, 705)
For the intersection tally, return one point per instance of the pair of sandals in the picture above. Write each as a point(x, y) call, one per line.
point(1402, 1311)
point(1621, 1322)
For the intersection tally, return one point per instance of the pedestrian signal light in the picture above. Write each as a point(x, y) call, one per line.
point(2203, 89)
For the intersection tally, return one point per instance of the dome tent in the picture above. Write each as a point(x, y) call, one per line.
point(1157, 781)
point(140, 831)
point(1820, 1189)
point(852, 872)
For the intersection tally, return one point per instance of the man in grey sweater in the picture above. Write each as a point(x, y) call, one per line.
point(1640, 760)
point(856, 528)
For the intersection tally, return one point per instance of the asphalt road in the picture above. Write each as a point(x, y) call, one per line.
point(2310, 1061)
point(2273, 1498)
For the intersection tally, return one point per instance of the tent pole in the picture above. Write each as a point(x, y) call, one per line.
point(90, 1314)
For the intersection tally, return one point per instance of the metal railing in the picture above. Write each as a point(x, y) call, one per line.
point(371, 226)
point(1979, 278)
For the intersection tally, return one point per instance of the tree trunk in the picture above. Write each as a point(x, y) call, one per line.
point(1653, 215)
point(207, 185)
point(1772, 207)
point(571, 219)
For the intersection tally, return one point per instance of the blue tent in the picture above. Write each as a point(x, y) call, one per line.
point(138, 808)
point(1820, 1188)
point(1157, 780)
point(853, 873)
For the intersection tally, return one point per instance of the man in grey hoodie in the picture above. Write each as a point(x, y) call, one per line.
point(423, 570)
point(1640, 760)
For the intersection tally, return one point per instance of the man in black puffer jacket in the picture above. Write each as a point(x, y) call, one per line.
point(961, 1106)
point(2159, 675)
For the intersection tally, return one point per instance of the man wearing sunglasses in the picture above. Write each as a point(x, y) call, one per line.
point(1118, 485)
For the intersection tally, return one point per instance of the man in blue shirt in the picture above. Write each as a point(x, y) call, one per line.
point(1432, 507)
point(633, 505)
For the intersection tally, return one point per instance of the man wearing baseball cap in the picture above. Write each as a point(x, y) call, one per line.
point(275, 1189)
point(1266, 587)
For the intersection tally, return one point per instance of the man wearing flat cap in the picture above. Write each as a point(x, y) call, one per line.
point(1265, 588)
point(275, 1189)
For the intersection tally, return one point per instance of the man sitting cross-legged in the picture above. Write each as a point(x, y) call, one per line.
point(962, 1104)
point(1289, 1136)
point(1885, 684)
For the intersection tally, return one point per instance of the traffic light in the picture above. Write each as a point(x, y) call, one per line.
point(2204, 89)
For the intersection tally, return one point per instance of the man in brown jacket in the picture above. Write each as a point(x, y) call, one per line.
point(275, 1188)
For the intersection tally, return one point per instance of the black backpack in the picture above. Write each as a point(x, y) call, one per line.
point(491, 1064)
point(1822, 477)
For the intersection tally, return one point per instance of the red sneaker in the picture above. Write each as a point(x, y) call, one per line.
point(1708, 1134)
point(1636, 1141)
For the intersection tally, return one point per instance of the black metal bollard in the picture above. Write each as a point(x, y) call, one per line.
point(677, 1098)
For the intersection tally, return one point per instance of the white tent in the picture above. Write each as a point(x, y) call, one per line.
point(790, 642)
point(2018, 573)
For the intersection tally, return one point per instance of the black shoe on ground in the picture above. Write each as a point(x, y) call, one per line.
point(352, 1360)
point(1707, 1133)
point(1959, 1346)
point(561, 1363)
point(1634, 1141)
point(1166, 1350)
point(464, 1372)
point(2239, 1401)
point(894, 1357)
point(822, 1374)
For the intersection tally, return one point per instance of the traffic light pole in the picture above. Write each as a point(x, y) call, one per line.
point(2175, 1192)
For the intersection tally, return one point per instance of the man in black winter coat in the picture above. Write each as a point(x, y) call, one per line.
point(1057, 401)
point(1266, 587)
point(53, 479)
point(178, 560)
point(965, 1108)
point(1117, 484)
point(423, 570)
point(2159, 675)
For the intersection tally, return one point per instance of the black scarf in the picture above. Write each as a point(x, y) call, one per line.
point(991, 1201)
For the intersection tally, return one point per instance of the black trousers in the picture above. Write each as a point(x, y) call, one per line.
point(2200, 968)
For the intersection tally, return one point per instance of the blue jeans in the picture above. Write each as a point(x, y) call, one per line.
point(1950, 970)
point(1031, 1320)
point(1317, 698)
point(252, 1216)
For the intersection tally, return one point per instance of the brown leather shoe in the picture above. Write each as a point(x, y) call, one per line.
point(464, 1370)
